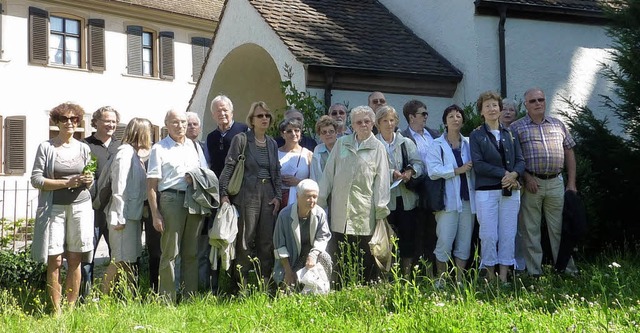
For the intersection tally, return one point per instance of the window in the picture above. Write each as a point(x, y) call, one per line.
point(64, 41)
point(16, 138)
point(149, 54)
point(199, 49)
point(60, 40)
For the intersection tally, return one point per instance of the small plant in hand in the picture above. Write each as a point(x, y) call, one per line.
point(92, 166)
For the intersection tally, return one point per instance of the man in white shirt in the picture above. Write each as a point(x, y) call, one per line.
point(169, 162)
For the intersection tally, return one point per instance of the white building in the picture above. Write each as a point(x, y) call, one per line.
point(142, 57)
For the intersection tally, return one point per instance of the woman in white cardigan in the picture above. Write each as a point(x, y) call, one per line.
point(449, 157)
point(124, 211)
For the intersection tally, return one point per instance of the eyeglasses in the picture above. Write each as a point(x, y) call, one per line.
point(262, 116)
point(424, 113)
point(363, 122)
point(539, 100)
point(378, 101)
point(328, 132)
point(295, 130)
point(64, 119)
point(335, 113)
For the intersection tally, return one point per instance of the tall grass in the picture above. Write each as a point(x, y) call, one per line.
point(605, 297)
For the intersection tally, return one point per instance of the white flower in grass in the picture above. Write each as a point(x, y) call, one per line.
point(440, 304)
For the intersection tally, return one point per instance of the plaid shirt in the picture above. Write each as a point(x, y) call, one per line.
point(543, 144)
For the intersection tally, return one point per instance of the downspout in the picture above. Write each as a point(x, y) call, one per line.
point(503, 61)
point(328, 86)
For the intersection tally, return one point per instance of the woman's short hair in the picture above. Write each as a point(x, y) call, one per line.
point(325, 121)
point(385, 110)
point(307, 185)
point(411, 108)
point(293, 122)
point(252, 111)
point(64, 109)
point(362, 109)
point(485, 96)
point(508, 102)
point(97, 115)
point(138, 133)
point(449, 109)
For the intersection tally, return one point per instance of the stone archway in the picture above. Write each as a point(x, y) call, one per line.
point(246, 74)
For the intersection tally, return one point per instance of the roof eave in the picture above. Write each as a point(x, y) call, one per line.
point(323, 77)
point(540, 12)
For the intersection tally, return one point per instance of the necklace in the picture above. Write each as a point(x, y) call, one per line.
point(261, 142)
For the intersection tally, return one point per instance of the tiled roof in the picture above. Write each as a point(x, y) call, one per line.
point(352, 34)
point(587, 5)
point(205, 9)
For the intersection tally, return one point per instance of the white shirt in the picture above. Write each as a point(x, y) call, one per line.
point(423, 141)
point(170, 161)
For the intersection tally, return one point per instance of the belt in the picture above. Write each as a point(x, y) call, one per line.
point(264, 180)
point(172, 190)
point(544, 176)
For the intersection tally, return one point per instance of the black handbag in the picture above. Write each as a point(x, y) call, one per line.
point(430, 191)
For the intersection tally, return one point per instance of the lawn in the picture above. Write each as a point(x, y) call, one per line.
point(604, 298)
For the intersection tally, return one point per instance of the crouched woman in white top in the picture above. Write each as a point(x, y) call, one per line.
point(124, 211)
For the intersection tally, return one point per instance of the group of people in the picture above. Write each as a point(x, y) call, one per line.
point(301, 197)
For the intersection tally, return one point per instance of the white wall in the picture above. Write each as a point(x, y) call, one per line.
point(32, 90)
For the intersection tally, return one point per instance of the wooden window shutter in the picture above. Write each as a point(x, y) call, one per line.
point(96, 45)
point(1, 145)
point(164, 132)
point(199, 50)
point(119, 132)
point(15, 128)
point(166, 55)
point(155, 133)
point(38, 36)
point(134, 50)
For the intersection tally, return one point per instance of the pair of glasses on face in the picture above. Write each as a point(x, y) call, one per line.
point(290, 131)
point(534, 100)
point(378, 101)
point(366, 122)
point(338, 112)
point(424, 113)
point(64, 119)
point(328, 132)
point(262, 116)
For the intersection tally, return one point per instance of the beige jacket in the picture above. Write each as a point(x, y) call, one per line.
point(356, 182)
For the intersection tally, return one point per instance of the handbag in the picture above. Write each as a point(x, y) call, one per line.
point(235, 182)
point(431, 192)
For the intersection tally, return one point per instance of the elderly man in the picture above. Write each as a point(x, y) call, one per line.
point(415, 113)
point(547, 147)
point(170, 160)
point(376, 99)
point(218, 143)
point(103, 145)
point(305, 141)
point(339, 113)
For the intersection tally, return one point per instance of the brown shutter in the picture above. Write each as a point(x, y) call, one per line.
point(96, 45)
point(199, 50)
point(119, 132)
point(155, 133)
point(15, 141)
point(134, 50)
point(164, 132)
point(166, 55)
point(38, 36)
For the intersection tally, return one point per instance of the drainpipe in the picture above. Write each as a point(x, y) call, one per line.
point(328, 79)
point(503, 61)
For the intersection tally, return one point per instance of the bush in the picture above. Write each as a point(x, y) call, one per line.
point(18, 270)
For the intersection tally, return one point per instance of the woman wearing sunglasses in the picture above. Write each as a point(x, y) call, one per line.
point(295, 160)
point(64, 219)
point(258, 201)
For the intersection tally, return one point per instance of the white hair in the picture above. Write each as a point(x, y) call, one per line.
point(362, 109)
point(307, 185)
point(222, 99)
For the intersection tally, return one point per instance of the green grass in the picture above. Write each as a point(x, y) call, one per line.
point(604, 298)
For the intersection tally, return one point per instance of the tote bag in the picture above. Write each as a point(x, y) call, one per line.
point(235, 182)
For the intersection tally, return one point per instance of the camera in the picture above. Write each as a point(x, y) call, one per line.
point(506, 192)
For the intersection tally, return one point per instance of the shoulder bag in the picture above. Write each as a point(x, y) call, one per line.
point(431, 194)
point(235, 182)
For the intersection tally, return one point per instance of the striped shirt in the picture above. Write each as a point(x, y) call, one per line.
point(543, 144)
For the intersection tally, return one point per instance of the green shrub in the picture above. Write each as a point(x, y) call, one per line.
point(18, 269)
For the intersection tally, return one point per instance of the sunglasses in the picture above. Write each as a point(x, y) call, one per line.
point(262, 116)
point(424, 114)
point(64, 119)
point(329, 132)
point(539, 100)
point(378, 101)
point(335, 113)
